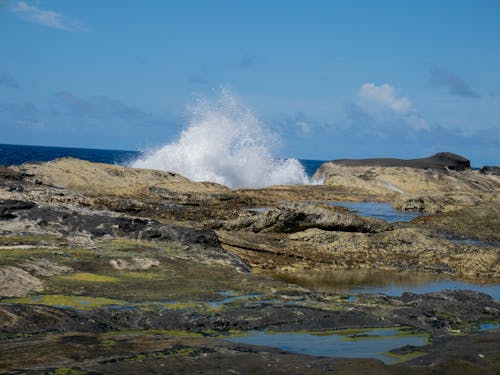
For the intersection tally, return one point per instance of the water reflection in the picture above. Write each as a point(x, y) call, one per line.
point(386, 282)
point(383, 211)
point(368, 344)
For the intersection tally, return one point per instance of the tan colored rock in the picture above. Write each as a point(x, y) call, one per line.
point(43, 267)
point(393, 181)
point(94, 179)
point(16, 282)
point(134, 264)
point(403, 249)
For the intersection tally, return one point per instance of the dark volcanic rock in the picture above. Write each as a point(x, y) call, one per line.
point(98, 225)
point(440, 160)
point(9, 207)
point(489, 169)
point(440, 311)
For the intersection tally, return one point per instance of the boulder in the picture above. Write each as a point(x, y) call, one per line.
point(296, 217)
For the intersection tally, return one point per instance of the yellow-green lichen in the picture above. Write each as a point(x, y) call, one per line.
point(67, 371)
point(90, 277)
point(75, 302)
point(108, 343)
point(401, 358)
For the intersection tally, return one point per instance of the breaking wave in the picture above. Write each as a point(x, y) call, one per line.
point(224, 142)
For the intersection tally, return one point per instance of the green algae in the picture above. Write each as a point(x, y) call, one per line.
point(156, 332)
point(108, 343)
point(401, 358)
point(130, 248)
point(33, 240)
point(91, 277)
point(67, 371)
point(67, 301)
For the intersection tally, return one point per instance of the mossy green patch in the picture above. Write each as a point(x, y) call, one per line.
point(159, 332)
point(126, 248)
point(75, 302)
point(139, 275)
point(173, 280)
point(91, 277)
point(108, 343)
point(34, 240)
point(401, 358)
point(67, 371)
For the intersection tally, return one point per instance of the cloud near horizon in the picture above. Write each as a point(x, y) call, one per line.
point(47, 18)
point(455, 84)
point(382, 103)
point(99, 107)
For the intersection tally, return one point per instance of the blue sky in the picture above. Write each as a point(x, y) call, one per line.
point(334, 79)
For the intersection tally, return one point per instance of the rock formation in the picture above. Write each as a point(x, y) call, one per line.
point(140, 266)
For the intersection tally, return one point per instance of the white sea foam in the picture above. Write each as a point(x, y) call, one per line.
point(224, 142)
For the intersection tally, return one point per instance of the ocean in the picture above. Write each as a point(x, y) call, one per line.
point(19, 154)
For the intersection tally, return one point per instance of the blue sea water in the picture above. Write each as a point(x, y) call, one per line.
point(19, 154)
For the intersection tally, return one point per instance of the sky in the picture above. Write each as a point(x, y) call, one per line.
point(333, 79)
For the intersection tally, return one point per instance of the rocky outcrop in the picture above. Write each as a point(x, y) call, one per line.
point(441, 160)
point(491, 170)
point(15, 282)
point(95, 179)
point(24, 278)
point(390, 182)
point(439, 202)
point(291, 218)
point(113, 249)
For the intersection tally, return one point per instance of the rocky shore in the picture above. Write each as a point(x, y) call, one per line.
point(108, 269)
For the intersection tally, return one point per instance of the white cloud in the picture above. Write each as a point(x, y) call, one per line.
point(46, 18)
point(383, 102)
point(385, 95)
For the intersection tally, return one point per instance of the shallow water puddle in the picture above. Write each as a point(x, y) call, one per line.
point(231, 297)
point(489, 326)
point(385, 282)
point(383, 211)
point(374, 343)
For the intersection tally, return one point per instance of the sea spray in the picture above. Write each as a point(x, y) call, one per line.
point(224, 142)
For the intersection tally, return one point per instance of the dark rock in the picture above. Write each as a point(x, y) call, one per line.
point(407, 349)
point(10, 174)
point(440, 311)
point(99, 225)
point(442, 160)
point(9, 207)
point(492, 170)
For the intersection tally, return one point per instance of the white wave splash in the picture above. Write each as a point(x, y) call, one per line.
point(225, 143)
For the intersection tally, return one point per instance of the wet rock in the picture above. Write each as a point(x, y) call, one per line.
point(445, 310)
